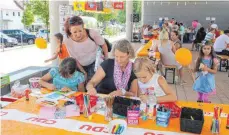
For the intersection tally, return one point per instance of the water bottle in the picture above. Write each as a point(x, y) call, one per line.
point(150, 103)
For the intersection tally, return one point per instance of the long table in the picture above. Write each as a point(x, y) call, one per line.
point(21, 118)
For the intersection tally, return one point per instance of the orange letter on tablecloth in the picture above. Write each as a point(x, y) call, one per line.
point(3, 113)
point(149, 133)
point(50, 122)
point(40, 120)
point(32, 118)
point(97, 129)
point(88, 127)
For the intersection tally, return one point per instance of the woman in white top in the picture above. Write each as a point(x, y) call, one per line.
point(167, 50)
point(150, 82)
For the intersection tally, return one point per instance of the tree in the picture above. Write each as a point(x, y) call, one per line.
point(40, 8)
point(105, 17)
point(121, 16)
point(28, 17)
point(85, 13)
point(137, 7)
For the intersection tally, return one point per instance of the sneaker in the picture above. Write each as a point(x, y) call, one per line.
point(200, 101)
point(183, 82)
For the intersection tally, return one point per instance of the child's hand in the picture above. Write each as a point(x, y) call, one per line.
point(201, 66)
point(205, 68)
point(144, 98)
point(51, 87)
point(65, 89)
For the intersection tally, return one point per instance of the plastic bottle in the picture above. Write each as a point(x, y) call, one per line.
point(151, 102)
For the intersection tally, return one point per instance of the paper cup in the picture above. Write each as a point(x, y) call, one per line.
point(34, 82)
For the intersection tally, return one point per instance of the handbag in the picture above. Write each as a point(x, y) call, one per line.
point(109, 45)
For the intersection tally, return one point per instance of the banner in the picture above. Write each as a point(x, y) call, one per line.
point(92, 6)
point(118, 5)
point(99, 6)
point(107, 6)
point(79, 5)
point(71, 125)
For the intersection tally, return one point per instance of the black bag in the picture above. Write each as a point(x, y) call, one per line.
point(121, 104)
point(109, 45)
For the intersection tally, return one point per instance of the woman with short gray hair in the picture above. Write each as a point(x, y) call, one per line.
point(115, 76)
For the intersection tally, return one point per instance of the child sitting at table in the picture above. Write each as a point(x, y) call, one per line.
point(65, 78)
point(150, 82)
point(206, 67)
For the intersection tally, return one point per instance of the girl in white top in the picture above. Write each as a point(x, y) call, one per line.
point(167, 50)
point(151, 82)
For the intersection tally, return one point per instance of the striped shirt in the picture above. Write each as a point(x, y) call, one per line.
point(210, 36)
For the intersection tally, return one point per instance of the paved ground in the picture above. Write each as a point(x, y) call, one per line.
point(186, 93)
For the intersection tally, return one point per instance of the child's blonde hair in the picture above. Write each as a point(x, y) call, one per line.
point(143, 64)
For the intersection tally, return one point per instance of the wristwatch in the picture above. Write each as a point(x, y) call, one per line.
point(123, 91)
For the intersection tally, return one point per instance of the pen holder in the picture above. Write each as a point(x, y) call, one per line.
point(191, 120)
point(133, 117)
point(121, 104)
point(34, 82)
point(109, 108)
point(87, 106)
point(175, 110)
point(162, 118)
point(215, 126)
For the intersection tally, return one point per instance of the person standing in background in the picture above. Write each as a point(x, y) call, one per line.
point(199, 37)
point(181, 32)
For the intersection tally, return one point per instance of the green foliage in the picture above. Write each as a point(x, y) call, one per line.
point(137, 6)
point(40, 8)
point(28, 17)
point(105, 17)
point(109, 31)
point(85, 13)
point(121, 17)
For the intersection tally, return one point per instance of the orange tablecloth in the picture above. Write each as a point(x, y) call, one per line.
point(11, 127)
point(143, 51)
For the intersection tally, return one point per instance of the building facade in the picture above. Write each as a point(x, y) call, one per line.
point(186, 12)
point(10, 16)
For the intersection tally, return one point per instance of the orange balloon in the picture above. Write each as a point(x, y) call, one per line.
point(41, 43)
point(183, 56)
